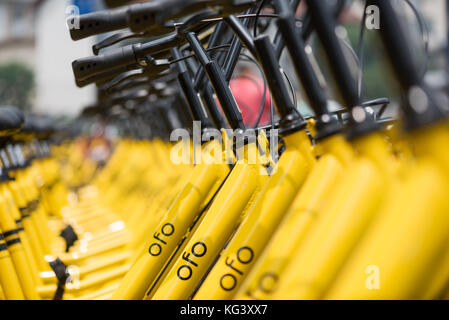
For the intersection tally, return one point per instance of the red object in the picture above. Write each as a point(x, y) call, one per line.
point(248, 92)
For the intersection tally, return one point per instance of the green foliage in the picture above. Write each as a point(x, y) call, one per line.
point(16, 85)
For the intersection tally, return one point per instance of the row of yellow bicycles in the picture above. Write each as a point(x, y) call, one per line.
point(188, 200)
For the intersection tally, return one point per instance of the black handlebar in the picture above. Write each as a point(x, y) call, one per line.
point(97, 22)
point(85, 68)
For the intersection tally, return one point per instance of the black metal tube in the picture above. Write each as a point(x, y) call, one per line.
point(296, 48)
point(215, 113)
point(242, 33)
point(264, 51)
point(325, 24)
point(214, 40)
point(417, 113)
point(234, 52)
point(219, 83)
point(399, 49)
point(275, 79)
point(193, 101)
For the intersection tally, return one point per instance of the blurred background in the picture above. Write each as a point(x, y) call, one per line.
point(36, 53)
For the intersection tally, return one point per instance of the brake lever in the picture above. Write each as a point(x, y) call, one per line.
point(122, 36)
point(117, 81)
point(116, 38)
point(103, 78)
point(156, 89)
point(143, 75)
point(132, 80)
point(129, 85)
point(152, 67)
point(229, 7)
point(132, 84)
point(212, 15)
point(196, 22)
point(140, 95)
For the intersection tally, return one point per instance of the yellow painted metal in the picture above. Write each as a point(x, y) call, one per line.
point(9, 281)
point(205, 179)
point(225, 214)
point(16, 251)
point(398, 255)
point(263, 217)
point(358, 197)
point(307, 207)
point(35, 244)
point(14, 212)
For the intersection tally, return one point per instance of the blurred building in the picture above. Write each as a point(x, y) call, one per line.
point(34, 33)
point(56, 91)
point(17, 37)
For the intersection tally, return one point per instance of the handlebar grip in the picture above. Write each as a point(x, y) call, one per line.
point(117, 3)
point(143, 16)
point(94, 23)
point(103, 78)
point(153, 15)
point(90, 66)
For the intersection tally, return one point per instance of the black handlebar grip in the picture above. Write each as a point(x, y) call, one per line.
point(117, 3)
point(153, 15)
point(97, 22)
point(90, 66)
point(102, 78)
point(144, 16)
